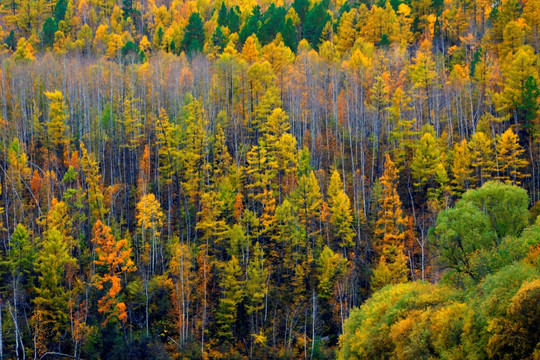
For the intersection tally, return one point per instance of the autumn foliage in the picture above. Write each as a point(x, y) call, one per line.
point(257, 179)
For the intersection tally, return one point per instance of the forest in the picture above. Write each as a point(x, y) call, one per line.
point(261, 179)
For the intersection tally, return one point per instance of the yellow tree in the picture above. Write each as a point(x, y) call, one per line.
point(131, 121)
point(56, 127)
point(196, 149)
point(347, 33)
point(279, 56)
point(330, 266)
point(270, 101)
point(403, 135)
point(308, 200)
point(462, 165)
point(250, 51)
point(261, 77)
point(513, 37)
point(232, 295)
point(93, 181)
point(520, 95)
point(222, 157)
point(423, 75)
point(59, 218)
point(101, 39)
point(256, 286)
point(509, 158)
point(56, 269)
point(210, 223)
point(403, 33)
point(482, 156)
point(114, 46)
point(25, 51)
point(149, 220)
point(262, 170)
point(281, 147)
point(114, 260)
point(340, 213)
point(427, 165)
point(391, 269)
point(531, 14)
point(392, 265)
point(390, 222)
point(168, 143)
point(18, 173)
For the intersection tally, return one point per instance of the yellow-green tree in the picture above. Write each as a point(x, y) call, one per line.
point(347, 32)
point(391, 269)
point(482, 156)
point(281, 147)
point(232, 295)
point(150, 219)
point(462, 165)
point(509, 158)
point(308, 200)
point(94, 191)
point(56, 270)
point(423, 75)
point(196, 149)
point(262, 170)
point(340, 213)
point(389, 242)
point(56, 126)
point(330, 266)
point(210, 223)
point(427, 166)
point(256, 287)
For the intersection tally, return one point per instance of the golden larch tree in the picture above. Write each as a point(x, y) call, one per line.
point(114, 258)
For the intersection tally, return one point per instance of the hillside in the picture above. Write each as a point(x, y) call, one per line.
point(264, 179)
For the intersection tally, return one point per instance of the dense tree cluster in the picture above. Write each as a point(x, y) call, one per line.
point(487, 306)
point(225, 180)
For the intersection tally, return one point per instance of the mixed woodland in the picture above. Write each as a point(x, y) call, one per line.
point(269, 179)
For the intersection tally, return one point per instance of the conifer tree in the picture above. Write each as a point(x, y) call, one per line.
point(289, 237)
point(509, 158)
point(114, 257)
point(94, 193)
point(330, 266)
point(193, 34)
point(482, 156)
point(346, 32)
point(340, 212)
point(391, 269)
point(256, 286)
point(390, 222)
point(427, 167)
point(250, 52)
point(56, 127)
point(308, 200)
point(462, 165)
point(232, 295)
point(196, 149)
point(150, 219)
point(223, 19)
point(56, 269)
point(211, 225)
